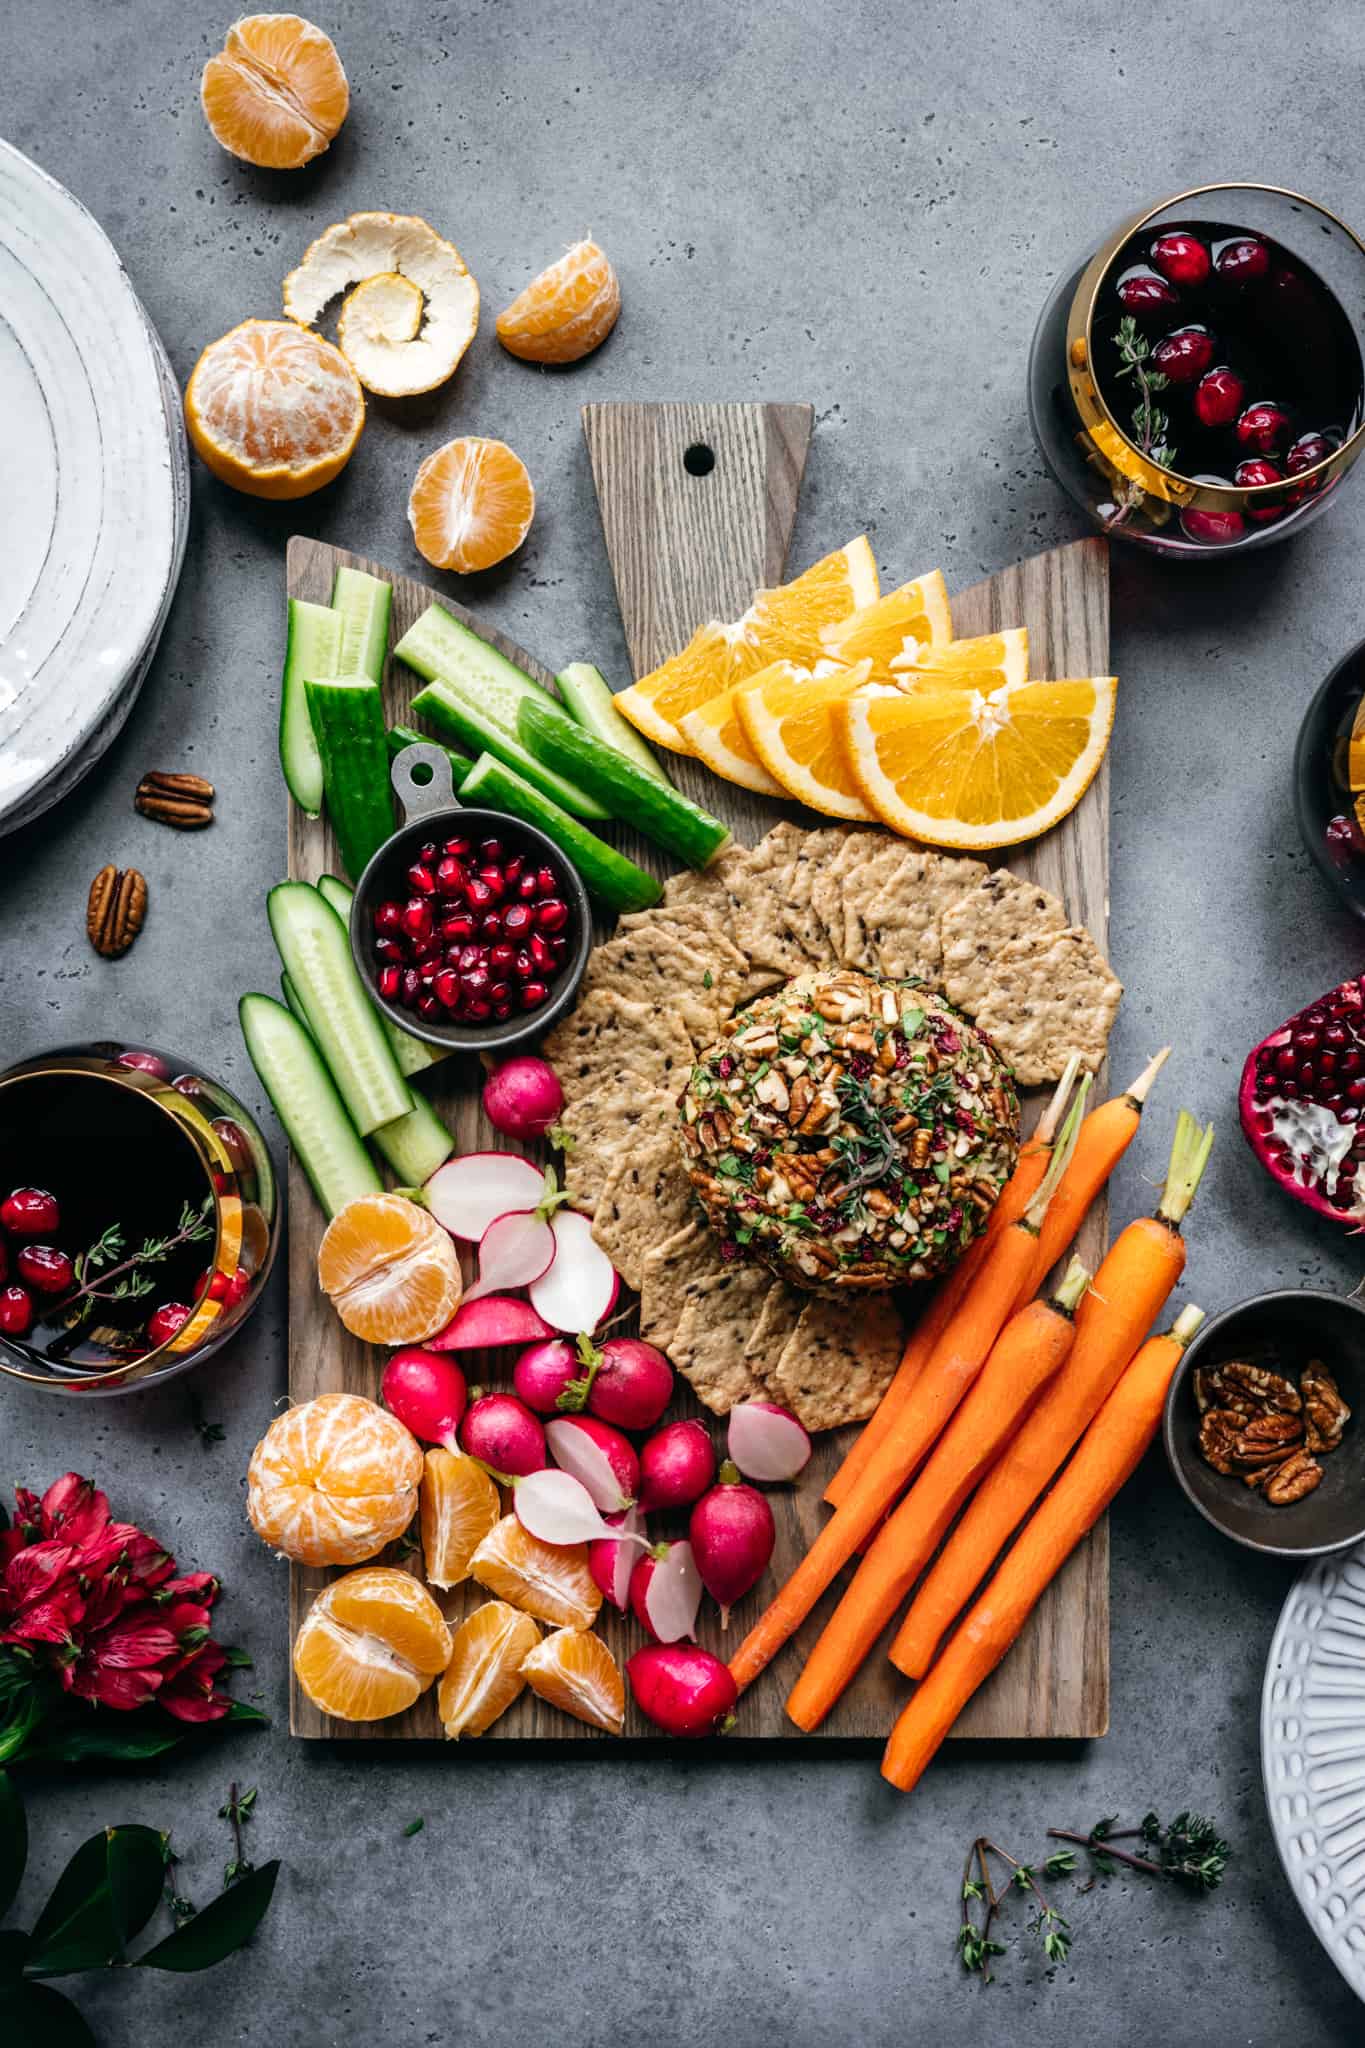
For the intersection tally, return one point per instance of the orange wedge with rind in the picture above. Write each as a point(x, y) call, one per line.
point(391, 1272)
point(784, 713)
point(370, 1644)
point(575, 1671)
point(916, 615)
point(484, 1676)
point(460, 1506)
point(550, 1580)
point(985, 662)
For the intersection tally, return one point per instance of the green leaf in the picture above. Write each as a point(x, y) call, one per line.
point(108, 1891)
point(96, 1744)
point(19, 1724)
point(414, 1827)
point(13, 1949)
point(39, 2017)
point(13, 1841)
point(221, 1928)
point(137, 1873)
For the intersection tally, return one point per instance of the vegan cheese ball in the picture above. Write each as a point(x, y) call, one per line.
point(849, 1132)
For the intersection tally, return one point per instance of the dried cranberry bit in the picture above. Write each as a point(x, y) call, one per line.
point(1185, 354)
point(31, 1212)
point(1219, 397)
point(16, 1312)
point(1242, 261)
point(1182, 258)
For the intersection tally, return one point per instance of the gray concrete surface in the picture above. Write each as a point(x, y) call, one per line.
point(863, 206)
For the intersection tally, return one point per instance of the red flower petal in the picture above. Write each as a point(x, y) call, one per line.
point(123, 1690)
point(73, 1509)
point(32, 1573)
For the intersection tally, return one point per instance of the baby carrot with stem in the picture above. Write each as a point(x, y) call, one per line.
point(1015, 1197)
point(1028, 1352)
point(958, 1358)
point(1130, 1289)
point(1111, 1448)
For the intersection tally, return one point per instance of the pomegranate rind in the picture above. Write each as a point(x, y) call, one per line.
point(1346, 1005)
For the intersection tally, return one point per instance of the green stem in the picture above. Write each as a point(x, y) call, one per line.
point(1060, 1160)
point(1190, 1150)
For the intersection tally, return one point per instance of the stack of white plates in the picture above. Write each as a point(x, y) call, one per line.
point(94, 491)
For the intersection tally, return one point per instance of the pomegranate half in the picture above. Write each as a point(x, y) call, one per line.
point(1302, 1104)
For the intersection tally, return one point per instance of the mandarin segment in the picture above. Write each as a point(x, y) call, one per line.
point(391, 1272)
point(550, 1580)
point(566, 312)
point(484, 1676)
point(275, 95)
point(370, 1644)
point(333, 1480)
point(574, 1670)
point(273, 411)
point(471, 505)
point(460, 1507)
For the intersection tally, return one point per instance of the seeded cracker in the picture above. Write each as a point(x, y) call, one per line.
point(758, 926)
point(778, 1317)
point(660, 969)
point(646, 1198)
point(1002, 907)
point(1051, 995)
point(895, 926)
point(838, 1362)
point(708, 1344)
point(666, 1274)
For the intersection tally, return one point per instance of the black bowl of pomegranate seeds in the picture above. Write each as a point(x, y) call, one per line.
point(471, 929)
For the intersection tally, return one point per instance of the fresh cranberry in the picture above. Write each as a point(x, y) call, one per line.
point(457, 848)
point(144, 1063)
point(1145, 291)
point(491, 852)
point(1342, 844)
point(428, 1008)
point(533, 994)
point(418, 921)
point(501, 956)
point(526, 887)
point(31, 1212)
point(446, 987)
point(1219, 397)
point(458, 929)
point(238, 1287)
point(552, 914)
point(45, 1268)
point(164, 1322)
point(1215, 527)
point(215, 1285)
point(1243, 260)
point(1259, 471)
point(390, 980)
point(523, 966)
point(1307, 452)
point(450, 876)
point(490, 926)
point(1184, 354)
point(16, 1312)
point(1181, 258)
point(1263, 426)
point(517, 920)
point(421, 879)
point(547, 882)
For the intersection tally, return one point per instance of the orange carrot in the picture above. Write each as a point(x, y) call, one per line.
point(1110, 1449)
point(1130, 1289)
point(958, 1357)
point(1015, 1197)
point(1028, 1351)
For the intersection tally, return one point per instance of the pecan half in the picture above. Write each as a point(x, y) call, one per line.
point(1327, 1414)
point(1236, 1382)
point(1218, 1433)
point(115, 910)
point(1296, 1477)
point(1266, 1436)
point(184, 801)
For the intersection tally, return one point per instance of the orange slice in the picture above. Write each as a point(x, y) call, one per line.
point(471, 505)
point(391, 1271)
point(957, 768)
point(370, 1644)
point(985, 663)
point(549, 1580)
point(275, 94)
point(916, 615)
point(484, 1675)
point(714, 734)
point(274, 411)
point(333, 1480)
point(785, 716)
point(782, 624)
point(573, 1669)
point(566, 312)
point(459, 1507)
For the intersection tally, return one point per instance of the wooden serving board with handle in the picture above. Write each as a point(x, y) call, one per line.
point(690, 537)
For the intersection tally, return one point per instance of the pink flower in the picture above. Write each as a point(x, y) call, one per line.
point(190, 1694)
point(40, 1596)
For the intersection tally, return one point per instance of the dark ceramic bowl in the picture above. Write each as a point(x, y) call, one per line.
point(1283, 1331)
point(1319, 778)
point(431, 811)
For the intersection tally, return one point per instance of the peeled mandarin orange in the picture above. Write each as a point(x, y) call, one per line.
point(275, 95)
point(459, 1508)
point(391, 1271)
point(333, 1480)
point(957, 768)
point(273, 410)
point(573, 1669)
point(785, 715)
point(550, 1580)
point(914, 616)
point(780, 625)
point(566, 312)
point(370, 1644)
point(484, 1675)
point(471, 505)
point(985, 663)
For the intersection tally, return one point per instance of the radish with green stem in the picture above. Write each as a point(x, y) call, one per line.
point(467, 1194)
point(732, 1534)
point(544, 1372)
point(598, 1455)
point(522, 1098)
point(503, 1434)
point(682, 1688)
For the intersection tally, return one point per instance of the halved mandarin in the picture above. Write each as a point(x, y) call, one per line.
point(370, 1644)
point(460, 1507)
point(566, 312)
point(273, 410)
point(986, 662)
point(275, 95)
point(574, 1670)
point(333, 1480)
point(391, 1272)
point(484, 1676)
point(916, 615)
point(785, 716)
point(471, 504)
point(550, 1580)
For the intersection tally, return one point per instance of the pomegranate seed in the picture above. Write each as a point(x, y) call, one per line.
point(490, 926)
point(1263, 426)
point(389, 983)
point(450, 876)
point(1242, 261)
point(474, 983)
point(390, 951)
point(457, 848)
point(16, 1312)
point(1143, 291)
point(418, 921)
point(552, 914)
point(163, 1322)
point(421, 879)
point(533, 994)
point(517, 920)
point(541, 953)
point(512, 868)
point(559, 945)
point(523, 966)
point(1350, 1060)
point(1219, 397)
point(526, 887)
point(1306, 1040)
point(427, 851)
point(478, 892)
point(388, 919)
point(499, 992)
point(412, 984)
point(501, 956)
point(470, 957)
point(446, 987)
point(1284, 1061)
point(502, 1011)
point(1327, 1065)
point(547, 882)
point(458, 929)
point(31, 1212)
point(1356, 1090)
point(491, 852)
point(1182, 258)
point(44, 1268)
point(477, 1010)
point(495, 882)
point(428, 1008)
point(1184, 355)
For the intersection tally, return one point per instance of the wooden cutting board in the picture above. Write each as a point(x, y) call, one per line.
point(686, 546)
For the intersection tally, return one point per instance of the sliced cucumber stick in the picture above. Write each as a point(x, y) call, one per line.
point(589, 702)
point(361, 603)
point(315, 949)
point(307, 1104)
point(415, 1144)
point(348, 719)
point(440, 647)
point(401, 736)
point(662, 813)
point(608, 875)
point(312, 649)
point(458, 716)
point(413, 1055)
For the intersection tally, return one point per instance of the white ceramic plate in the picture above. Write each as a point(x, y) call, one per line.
point(94, 501)
point(1313, 1753)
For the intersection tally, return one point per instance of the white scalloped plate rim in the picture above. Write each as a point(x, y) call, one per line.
point(1313, 1752)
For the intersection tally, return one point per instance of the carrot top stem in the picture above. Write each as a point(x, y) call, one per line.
point(1074, 1282)
point(1046, 1129)
point(1140, 1089)
point(1187, 1324)
point(1060, 1160)
point(1190, 1150)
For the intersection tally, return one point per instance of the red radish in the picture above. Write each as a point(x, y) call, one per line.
point(514, 1250)
point(485, 1324)
point(665, 1592)
point(581, 1286)
point(612, 1560)
point(767, 1442)
point(504, 1435)
point(427, 1394)
point(682, 1688)
point(542, 1373)
point(676, 1466)
point(732, 1536)
point(598, 1455)
point(466, 1195)
point(630, 1383)
point(522, 1098)
point(558, 1508)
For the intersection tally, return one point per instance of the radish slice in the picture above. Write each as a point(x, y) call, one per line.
point(597, 1455)
point(466, 1195)
point(496, 1319)
point(514, 1250)
point(558, 1508)
point(581, 1286)
point(672, 1599)
point(612, 1561)
point(766, 1442)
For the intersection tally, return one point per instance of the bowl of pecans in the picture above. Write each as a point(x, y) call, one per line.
point(1259, 1424)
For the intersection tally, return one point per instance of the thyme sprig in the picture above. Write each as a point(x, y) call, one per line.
point(1190, 1851)
point(975, 1940)
point(101, 1280)
point(238, 1811)
point(1151, 426)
